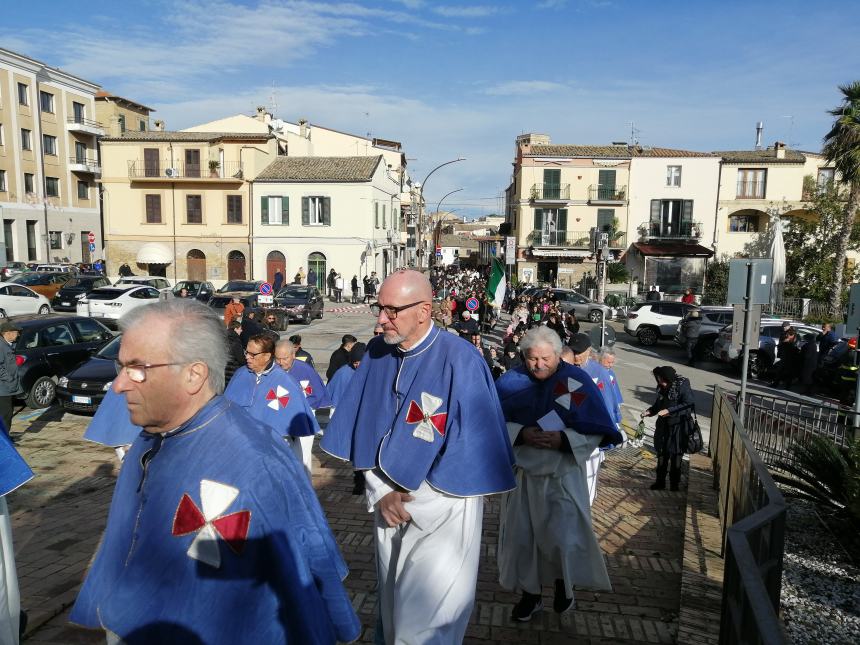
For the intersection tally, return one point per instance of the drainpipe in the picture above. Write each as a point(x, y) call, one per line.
point(173, 202)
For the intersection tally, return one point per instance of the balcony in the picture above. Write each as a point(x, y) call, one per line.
point(616, 195)
point(230, 172)
point(688, 231)
point(84, 126)
point(573, 239)
point(751, 190)
point(550, 193)
point(85, 164)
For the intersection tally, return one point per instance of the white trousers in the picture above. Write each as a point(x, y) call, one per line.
point(302, 449)
point(592, 466)
point(10, 601)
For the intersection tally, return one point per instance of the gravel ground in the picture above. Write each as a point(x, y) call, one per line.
point(820, 586)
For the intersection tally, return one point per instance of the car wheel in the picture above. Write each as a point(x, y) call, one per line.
point(647, 336)
point(42, 393)
point(44, 310)
point(306, 318)
point(2, 314)
point(595, 315)
point(757, 366)
point(285, 323)
point(321, 313)
point(704, 351)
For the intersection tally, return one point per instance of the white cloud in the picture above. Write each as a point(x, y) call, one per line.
point(478, 11)
point(524, 88)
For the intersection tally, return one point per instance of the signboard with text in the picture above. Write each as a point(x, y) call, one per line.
point(510, 250)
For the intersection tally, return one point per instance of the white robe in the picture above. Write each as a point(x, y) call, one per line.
point(545, 530)
point(427, 568)
point(592, 467)
point(10, 601)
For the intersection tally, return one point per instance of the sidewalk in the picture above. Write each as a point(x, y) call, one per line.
point(59, 516)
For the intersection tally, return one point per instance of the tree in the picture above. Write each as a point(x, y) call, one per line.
point(716, 282)
point(617, 272)
point(842, 149)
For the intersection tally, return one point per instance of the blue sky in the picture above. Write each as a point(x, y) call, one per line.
point(453, 79)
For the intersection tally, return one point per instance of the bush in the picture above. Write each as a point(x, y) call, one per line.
point(716, 282)
point(617, 272)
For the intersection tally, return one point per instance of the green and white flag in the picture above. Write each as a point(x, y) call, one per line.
point(496, 284)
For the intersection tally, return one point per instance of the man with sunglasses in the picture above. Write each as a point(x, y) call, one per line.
point(422, 419)
point(214, 533)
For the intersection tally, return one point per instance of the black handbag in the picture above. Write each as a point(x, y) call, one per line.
point(694, 434)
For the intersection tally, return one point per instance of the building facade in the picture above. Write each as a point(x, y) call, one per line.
point(49, 163)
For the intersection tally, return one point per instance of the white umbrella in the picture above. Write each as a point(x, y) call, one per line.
point(777, 253)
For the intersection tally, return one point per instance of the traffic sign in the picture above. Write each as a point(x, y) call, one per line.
point(92, 247)
point(91, 237)
point(266, 289)
point(603, 336)
point(472, 304)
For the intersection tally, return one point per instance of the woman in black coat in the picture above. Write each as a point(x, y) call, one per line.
point(673, 407)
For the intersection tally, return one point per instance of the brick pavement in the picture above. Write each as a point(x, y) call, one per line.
point(59, 516)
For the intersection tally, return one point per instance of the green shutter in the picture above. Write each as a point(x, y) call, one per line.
point(538, 219)
point(375, 214)
point(384, 217)
point(605, 217)
point(326, 211)
point(306, 211)
point(687, 214)
point(606, 178)
point(285, 210)
point(561, 224)
point(264, 210)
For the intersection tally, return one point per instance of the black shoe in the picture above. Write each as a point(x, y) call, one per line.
point(658, 486)
point(673, 486)
point(529, 605)
point(560, 602)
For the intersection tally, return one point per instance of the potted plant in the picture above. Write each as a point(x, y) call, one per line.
point(213, 168)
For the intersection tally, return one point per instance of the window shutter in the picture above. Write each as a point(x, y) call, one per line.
point(655, 212)
point(538, 219)
point(561, 226)
point(687, 214)
point(384, 216)
point(285, 210)
point(306, 211)
point(264, 210)
point(375, 214)
point(606, 178)
point(326, 211)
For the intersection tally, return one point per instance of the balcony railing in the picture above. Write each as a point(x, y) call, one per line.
point(600, 193)
point(751, 190)
point(550, 192)
point(84, 164)
point(674, 231)
point(165, 170)
point(80, 124)
point(573, 239)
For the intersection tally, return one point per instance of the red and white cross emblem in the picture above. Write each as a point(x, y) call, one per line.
point(210, 523)
point(306, 387)
point(566, 391)
point(600, 384)
point(426, 417)
point(278, 398)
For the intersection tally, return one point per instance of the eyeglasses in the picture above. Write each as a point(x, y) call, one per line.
point(137, 372)
point(378, 333)
point(253, 354)
point(390, 311)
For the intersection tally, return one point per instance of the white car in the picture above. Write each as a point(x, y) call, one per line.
point(112, 303)
point(17, 299)
point(652, 321)
point(156, 282)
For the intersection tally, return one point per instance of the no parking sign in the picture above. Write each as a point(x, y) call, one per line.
point(472, 304)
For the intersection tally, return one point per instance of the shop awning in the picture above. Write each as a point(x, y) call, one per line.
point(675, 249)
point(560, 253)
point(154, 253)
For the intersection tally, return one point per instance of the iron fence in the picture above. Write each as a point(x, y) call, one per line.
point(797, 308)
point(752, 516)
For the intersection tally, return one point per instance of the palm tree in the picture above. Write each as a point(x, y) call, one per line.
point(842, 149)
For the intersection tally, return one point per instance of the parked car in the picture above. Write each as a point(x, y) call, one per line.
point(75, 289)
point(241, 285)
point(585, 309)
point(713, 320)
point(49, 347)
point(651, 322)
point(219, 301)
point(762, 358)
point(154, 281)
point(12, 269)
point(300, 302)
point(112, 303)
point(58, 268)
point(83, 388)
point(201, 291)
point(16, 299)
point(47, 283)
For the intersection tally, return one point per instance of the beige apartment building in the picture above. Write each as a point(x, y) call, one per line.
point(129, 115)
point(49, 162)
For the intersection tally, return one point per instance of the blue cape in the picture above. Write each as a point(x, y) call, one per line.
point(600, 376)
point(14, 471)
point(311, 383)
point(570, 392)
point(218, 539)
point(277, 401)
point(430, 413)
point(111, 424)
point(339, 383)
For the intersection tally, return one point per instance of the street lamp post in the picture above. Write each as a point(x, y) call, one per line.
point(435, 227)
point(421, 214)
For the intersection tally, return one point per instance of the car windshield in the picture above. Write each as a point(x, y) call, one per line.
point(110, 350)
point(27, 278)
point(239, 285)
point(106, 294)
point(293, 292)
point(191, 287)
point(81, 282)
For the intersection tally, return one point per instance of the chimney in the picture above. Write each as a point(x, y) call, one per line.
point(759, 130)
point(159, 125)
point(262, 115)
point(779, 149)
point(115, 126)
point(303, 128)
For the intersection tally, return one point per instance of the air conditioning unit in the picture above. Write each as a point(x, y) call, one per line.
point(171, 172)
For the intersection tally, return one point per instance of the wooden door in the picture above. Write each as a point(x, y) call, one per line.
point(236, 265)
point(276, 261)
point(196, 265)
point(150, 162)
point(192, 163)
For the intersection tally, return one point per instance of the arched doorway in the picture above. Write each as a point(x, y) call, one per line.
point(196, 265)
point(316, 261)
point(275, 261)
point(235, 265)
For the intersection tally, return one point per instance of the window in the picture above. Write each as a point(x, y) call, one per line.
point(275, 210)
point(673, 176)
point(193, 209)
point(552, 183)
point(605, 219)
point(743, 223)
point(23, 94)
point(316, 211)
point(121, 119)
point(2, 181)
point(375, 214)
point(671, 218)
point(46, 102)
point(49, 144)
point(550, 226)
point(826, 176)
point(752, 183)
point(88, 330)
point(153, 209)
point(29, 182)
point(31, 238)
point(150, 162)
point(26, 139)
point(83, 190)
point(142, 125)
point(80, 152)
point(78, 111)
point(52, 187)
point(384, 216)
point(2, 140)
point(56, 240)
point(192, 163)
point(9, 238)
point(234, 209)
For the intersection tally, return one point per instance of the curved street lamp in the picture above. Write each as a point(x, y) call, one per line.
point(421, 219)
point(437, 226)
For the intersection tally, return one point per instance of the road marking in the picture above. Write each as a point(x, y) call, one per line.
point(31, 415)
point(644, 352)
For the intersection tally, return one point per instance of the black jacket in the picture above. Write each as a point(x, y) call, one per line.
point(339, 358)
point(670, 436)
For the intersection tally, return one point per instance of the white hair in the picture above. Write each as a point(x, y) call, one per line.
point(196, 334)
point(286, 343)
point(604, 352)
point(541, 336)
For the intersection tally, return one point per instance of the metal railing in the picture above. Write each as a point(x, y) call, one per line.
point(600, 193)
point(540, 192)
point(165, 169)
point(84, 161)
point(751, 190)
point(577, 239)
point(752, 516)
point(79, 120)
point(679, 230)
point(797, 308)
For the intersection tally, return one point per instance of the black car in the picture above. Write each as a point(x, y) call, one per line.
point(83, 389)
point(51, 346)
point(198, 290)
point(241, 285)
point(76, 288)
point(300, 302)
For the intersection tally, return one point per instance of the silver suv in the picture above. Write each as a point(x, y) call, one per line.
point(650, 322)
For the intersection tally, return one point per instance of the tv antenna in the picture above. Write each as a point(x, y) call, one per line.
point(634, 133)
point(791, 144)
point(273, 101)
